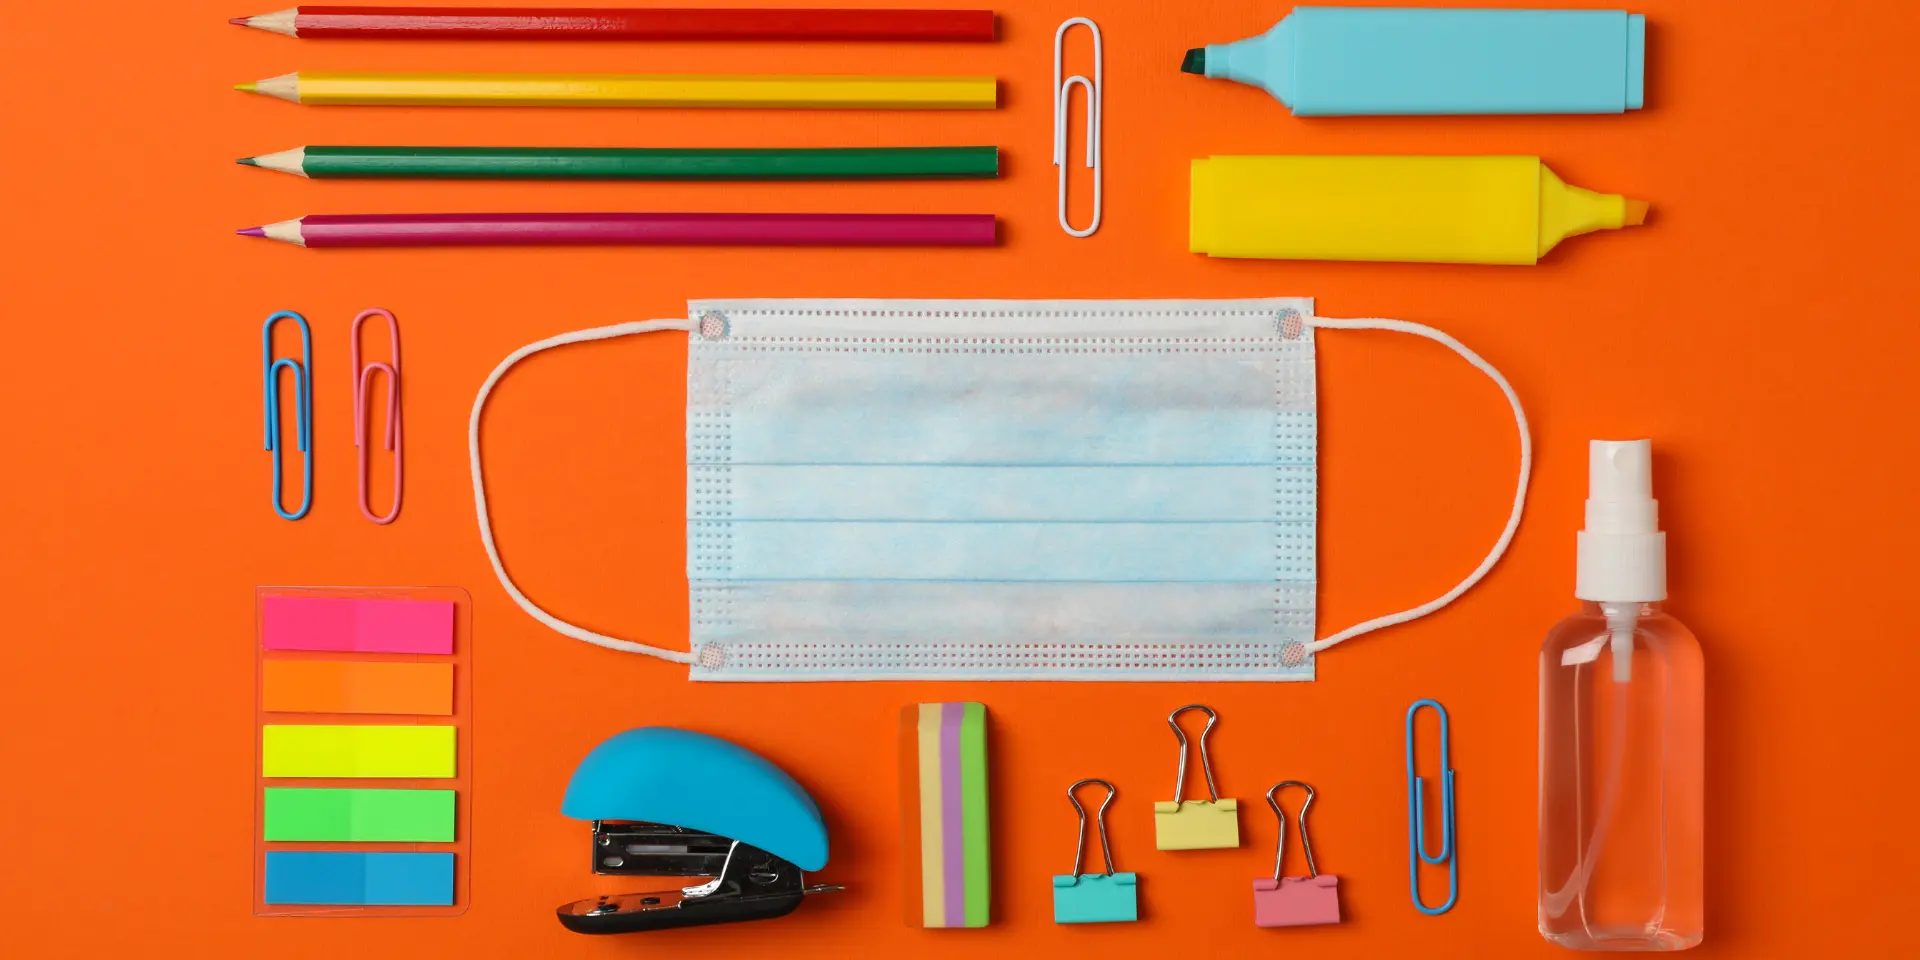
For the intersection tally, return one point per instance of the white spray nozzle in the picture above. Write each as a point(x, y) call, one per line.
point(1620, 470)
point(1622, 553)
point(1620, 487)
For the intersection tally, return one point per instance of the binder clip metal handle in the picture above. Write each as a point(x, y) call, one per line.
point(1100, 823)
point(1206, 763)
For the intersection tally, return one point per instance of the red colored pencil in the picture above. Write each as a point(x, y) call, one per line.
point(634, 229)
point(534, 23)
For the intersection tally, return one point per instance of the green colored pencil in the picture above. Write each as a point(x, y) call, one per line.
point(618, 163)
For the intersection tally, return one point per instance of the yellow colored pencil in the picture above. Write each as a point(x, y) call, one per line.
point(615, 90)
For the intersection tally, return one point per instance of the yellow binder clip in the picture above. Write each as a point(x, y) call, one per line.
point(1182, 824)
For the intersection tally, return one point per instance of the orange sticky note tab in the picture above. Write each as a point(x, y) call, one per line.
point(337, 686)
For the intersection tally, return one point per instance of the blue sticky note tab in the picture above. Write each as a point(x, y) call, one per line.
point(360, 879)
point(1096, 898)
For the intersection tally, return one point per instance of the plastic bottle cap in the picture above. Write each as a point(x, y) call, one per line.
point(1622, 555)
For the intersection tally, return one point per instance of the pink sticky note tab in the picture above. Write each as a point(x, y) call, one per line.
point(1296, 901)
point(357, 626)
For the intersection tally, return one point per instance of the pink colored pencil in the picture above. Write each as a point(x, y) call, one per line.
point(645, 229)
point(546, 23)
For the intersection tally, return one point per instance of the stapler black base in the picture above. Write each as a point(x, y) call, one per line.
point(749, 883)
point(638, 912)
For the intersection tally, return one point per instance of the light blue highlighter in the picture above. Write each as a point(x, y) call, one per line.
point(1387, 61)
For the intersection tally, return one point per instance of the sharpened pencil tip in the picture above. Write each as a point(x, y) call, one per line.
point(239, 21)
point(246, 87)
point(247, 162)
point(251, 232)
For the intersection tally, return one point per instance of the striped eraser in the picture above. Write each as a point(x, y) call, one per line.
point(943, 811)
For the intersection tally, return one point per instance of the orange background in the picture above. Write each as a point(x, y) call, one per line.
point(1760, 329)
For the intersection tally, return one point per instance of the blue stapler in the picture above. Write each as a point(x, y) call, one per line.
point(673, 803)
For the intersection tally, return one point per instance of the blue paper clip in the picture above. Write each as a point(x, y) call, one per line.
point(1417, 818)
point(303, 407)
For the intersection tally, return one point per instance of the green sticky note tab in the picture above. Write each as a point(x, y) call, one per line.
point(973, 810)
point(373, 816)
point(319, 750)
point(1196, 824)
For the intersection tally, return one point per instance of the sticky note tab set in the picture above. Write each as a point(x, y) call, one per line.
point(943, 766)
point(364, 741)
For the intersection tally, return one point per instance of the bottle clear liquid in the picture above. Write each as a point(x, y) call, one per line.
point(1622, 758)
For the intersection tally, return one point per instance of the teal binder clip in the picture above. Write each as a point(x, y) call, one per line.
point(1095, 897)
point(1417, 818)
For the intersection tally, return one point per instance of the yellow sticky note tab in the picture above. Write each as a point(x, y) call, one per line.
point(316, 750)
point(1196, 824)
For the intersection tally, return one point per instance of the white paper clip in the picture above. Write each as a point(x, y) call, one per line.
point(1062, 91)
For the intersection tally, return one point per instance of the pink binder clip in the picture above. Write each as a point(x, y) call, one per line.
point(1282, 901)
point(362, 381)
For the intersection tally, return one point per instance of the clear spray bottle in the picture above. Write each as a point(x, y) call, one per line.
point(1622, 752)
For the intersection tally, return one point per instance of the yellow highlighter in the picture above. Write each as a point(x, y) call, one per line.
point(1407, 209)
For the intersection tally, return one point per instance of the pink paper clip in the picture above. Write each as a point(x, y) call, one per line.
point(362, 380)
point(1282, 901)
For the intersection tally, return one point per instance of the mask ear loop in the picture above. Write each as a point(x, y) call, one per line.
point(480, 487)
point(1519, 492)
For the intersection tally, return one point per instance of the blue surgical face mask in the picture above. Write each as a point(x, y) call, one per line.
point(1000, 490)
